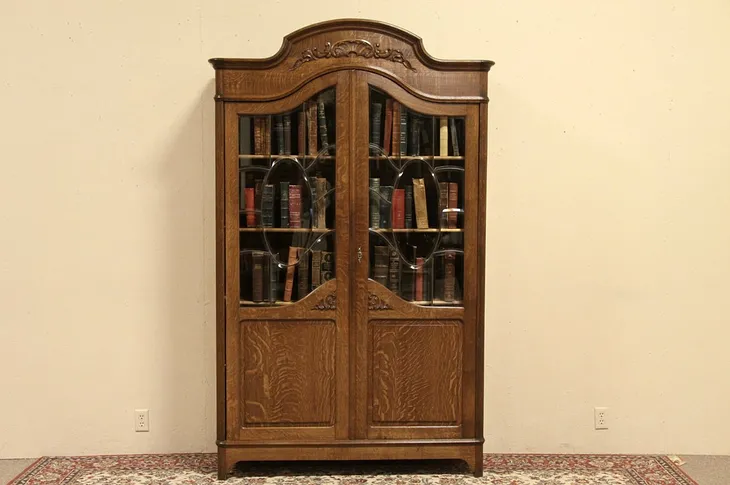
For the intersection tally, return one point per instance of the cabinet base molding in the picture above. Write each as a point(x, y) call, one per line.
point(230, 453)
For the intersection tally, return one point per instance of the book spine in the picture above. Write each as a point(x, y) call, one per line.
point(376, 111)
point(250, 207)
point(454, 138)
point(291, 266)
point(453, 204)
point(312, 127)
point(419, 279)
point(408, 207)
point(444, 136)
point(374, 203)
point(415, 131)
point(267, 135)
point(295, 206)
point(394, 273)
point(427, 281)
point(395, 140)
point(322, 123)
point(267, 206)
point(244, 136)
point(313, 203)
point(284, 201)
point(388, 126)
point(258, 276)
point(443, 204)
point(302, 133)
point(321, 203)
point(386, 203)
point(449, 276)
point(287, 134)
point(279, 134)
point(403, 130)
point(266, 277)
point(258, 143)
point(257, 197)
point(380, 266)
point(316, 268)
point(328, 266)
point(303, 286)
point(419, 199)
point(398, 217)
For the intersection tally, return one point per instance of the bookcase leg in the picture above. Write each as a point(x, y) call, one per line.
point(475, 460)
point(223, 466)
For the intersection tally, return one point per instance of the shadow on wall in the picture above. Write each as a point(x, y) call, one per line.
point(186, 357)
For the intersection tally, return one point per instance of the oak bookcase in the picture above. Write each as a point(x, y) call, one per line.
point(351, 210)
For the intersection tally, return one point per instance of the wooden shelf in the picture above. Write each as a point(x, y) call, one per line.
point(412, 157)
point(284, 229)
point(433, 230)
point(276, 155)
point(265, 303)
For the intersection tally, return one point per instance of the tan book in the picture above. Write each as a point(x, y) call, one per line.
point(312, 127)
point(444, 136)
point(291, 266)
point(302, 134)
point(453, 204)
point(419, 200)
point(321, 203)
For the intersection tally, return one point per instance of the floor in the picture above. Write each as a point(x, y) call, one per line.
point(705, 470)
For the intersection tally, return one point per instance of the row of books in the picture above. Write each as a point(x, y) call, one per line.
point(310, 126)
point(415, 284)
point(407, 134)
point(393, 208)
point(313, 269)
point(260, 199)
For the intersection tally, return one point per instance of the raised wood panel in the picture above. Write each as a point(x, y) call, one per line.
point(416, 372)
point(289, 373)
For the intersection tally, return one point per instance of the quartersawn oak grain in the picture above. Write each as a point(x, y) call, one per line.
point(351, 371)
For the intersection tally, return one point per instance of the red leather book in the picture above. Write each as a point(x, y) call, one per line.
point(399, 202)
point(295, 206)
point(250, 207)
point(419, 279)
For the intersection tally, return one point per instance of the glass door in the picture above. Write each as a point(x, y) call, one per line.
point(286, 307)
point(416, 227)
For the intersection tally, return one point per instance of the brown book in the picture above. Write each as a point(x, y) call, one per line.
point(302, 134)
point(321, 203)
point(267, 135)
point(395, 135)
point(257, 196)
point(394, 272)
point(453, 203)
point(327, 267)
point(380, 266)
point(257, 136)
point(450, 276)
point(419, 200)
point(419, 279)
point(316, 268)
point(388, 126)
point(258, 276)
point(444, 136)
point(295, 206)
point(443, 204)
point(303, 274)
point(291, 266)
point(399, 202)
point(312, 126)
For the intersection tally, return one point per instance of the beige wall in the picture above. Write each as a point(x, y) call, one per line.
point(608, 216)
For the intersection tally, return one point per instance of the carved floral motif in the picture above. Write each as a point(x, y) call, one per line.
point(349, 48)
point(375, 303)
point(327, 303)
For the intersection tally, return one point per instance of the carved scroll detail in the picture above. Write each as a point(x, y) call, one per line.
point(375, 303)
point(350, 48)
point(327, 303)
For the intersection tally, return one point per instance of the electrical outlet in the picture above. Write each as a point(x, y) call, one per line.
point(600, 418)
point(141, 420)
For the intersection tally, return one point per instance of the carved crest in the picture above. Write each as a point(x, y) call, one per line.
point(327, 303)
point(350, 48)
point(375, 303)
